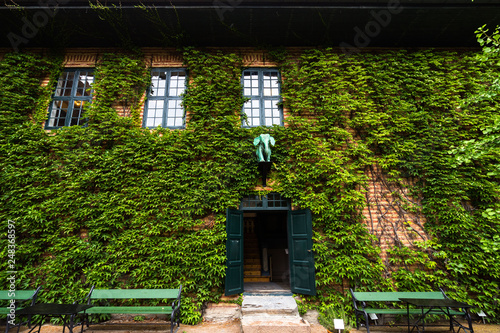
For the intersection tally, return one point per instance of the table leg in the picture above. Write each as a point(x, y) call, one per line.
point(416, 324)
point(65, 323)
point(469, 320)
point(454, 322)
point(408, 315)
point(34, 327)
point(423, 320)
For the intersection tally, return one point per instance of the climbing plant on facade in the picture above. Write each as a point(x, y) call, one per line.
point(92, 202)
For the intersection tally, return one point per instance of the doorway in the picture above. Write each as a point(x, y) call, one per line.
point(269, 242)
point(265, 251)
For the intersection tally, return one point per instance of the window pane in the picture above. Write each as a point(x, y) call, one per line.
point(65, 84)
point(276, 110)
point(252, 110)
point(272, 113)
point(158, 83)
point(175, 113)
point(153, 122)
point(84, 84)
point(252, 201)
point(251, 83)
point(76, 113)
point(271, 83)
point(154, 113)
point(58, 113)
point(177, 83)
point(268, 104)
point(171, 113)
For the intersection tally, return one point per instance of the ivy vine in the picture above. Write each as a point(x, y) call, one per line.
point(117, 205)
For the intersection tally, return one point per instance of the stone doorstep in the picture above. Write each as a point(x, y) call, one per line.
point(283, 305)
point(274, 324)
point(272, 314)
point(257, 311)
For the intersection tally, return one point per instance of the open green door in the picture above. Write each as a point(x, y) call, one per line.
point(234, 252)
point(302, 278)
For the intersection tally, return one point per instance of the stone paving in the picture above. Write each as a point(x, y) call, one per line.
point(235, 327)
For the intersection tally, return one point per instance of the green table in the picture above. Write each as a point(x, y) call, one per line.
point(433, 305)
point(62, 311)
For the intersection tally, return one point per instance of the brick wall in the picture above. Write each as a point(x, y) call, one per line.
point(391, 213)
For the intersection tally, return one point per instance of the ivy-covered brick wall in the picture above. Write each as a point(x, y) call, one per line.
point(368, 146)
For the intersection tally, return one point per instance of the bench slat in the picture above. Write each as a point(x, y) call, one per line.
point(404, 311)
point(130, 309)
point(19, 294)
point(135, 293)
point(394, 296)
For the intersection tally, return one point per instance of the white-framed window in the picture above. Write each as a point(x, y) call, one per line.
point(164, 103)
point(262, 87)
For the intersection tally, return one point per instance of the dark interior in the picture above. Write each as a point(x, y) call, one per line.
point(271, 229)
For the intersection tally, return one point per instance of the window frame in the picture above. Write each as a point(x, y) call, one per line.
point(261, 98)
point(71, 99)
point(270, 201)
point(166, 98)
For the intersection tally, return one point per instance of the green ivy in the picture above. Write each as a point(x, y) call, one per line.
point(117, 205)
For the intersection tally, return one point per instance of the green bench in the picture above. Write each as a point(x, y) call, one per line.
point(15, 300)
point(97, 296)
point(365, 304)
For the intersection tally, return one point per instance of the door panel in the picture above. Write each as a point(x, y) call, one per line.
point(234, 252)
point(302, 279)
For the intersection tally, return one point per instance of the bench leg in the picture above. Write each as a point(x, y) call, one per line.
point(174, 322)
point(469, 321)
point(367, 322)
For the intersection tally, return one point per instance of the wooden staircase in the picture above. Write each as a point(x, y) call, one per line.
point(252, 264)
